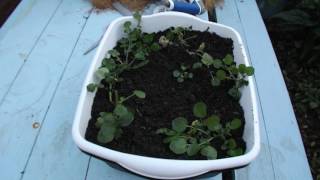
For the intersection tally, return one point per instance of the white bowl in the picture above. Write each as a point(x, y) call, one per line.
point(168, 168)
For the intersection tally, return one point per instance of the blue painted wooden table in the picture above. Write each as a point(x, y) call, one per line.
point(42, 68)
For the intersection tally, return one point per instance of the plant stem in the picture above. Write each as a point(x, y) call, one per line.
point(125, 99)
point(116, 95)
point(198, 129)
point(207, 141)
point(110, 93)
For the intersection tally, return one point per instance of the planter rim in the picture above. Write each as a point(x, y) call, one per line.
point(116, 156)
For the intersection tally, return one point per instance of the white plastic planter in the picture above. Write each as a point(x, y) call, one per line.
point(165, 168)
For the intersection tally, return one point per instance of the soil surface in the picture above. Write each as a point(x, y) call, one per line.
point(167, 99)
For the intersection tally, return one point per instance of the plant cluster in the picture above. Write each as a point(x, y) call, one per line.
point(136, 47)
point(182, 74)
point(197, 137)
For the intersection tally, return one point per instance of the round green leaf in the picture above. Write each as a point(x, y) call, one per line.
point(99, 122)
point(92, 87)
point(180, 80)
point(101, 72)
point(215, 82)
point(190, 75)
point(249, 71)
point(235, 152)
point(213, 123)
point(200, 110)
point(179, 124)
point(235, 124)
point(126, 119)
point(207, 59)
point(193, 149)
point(178, 145)
point(242, 68)
point(221, 75)
point(176, 73)
point(197, 65)
point(228, 60)
point(120, 110)
point(106, 133)
point(231, 144)
point(139, 94)
point(217, 63)
point(235, 93)
point(210, 152)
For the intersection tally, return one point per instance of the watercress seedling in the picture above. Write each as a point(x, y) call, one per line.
point(197, 137)
point(182, 74)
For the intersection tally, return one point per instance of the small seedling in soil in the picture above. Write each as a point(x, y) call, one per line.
point(197, 137)
point(135, 47)
point(226, 69)
point(110, 123)
point(182, 74)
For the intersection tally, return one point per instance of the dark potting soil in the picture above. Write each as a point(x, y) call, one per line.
point(167, 99)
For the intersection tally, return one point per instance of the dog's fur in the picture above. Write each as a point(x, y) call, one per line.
point(139, 4)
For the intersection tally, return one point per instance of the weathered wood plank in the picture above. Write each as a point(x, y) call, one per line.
point(262, 167)
point(55, 152)
point(19, 35)
point(287, 152)
point(32, 91)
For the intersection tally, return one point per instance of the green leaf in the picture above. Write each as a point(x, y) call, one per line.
point(190, 75)
point(140, 56)
point(106, 133)
point(228, 60)
point(126, 26)
point(179, 124)
point(217, 63)
point(242, 68)
point(137, 16)
point(118, 133)
point(231, 143)
point(210, 152)
point(109, 64)
point(139, 94)
point(207, 59)
point(235, 124)
point(101, 72)
point(213, 123)
point(197, 65)
point(249, 71)
point(148, 38)
point(180, 80)
point(107, 117)
point(176, 73)
point(200, 110)
point(120, 110)
point(221, 75)
point(114, 53)
point(215, 82)
point(178, 145)
point(235, 93)
point(234, 70)
point(99, 122)
point(92, 87)
point(155, 47)
point(193, 149)
point(235, 152)
point(126, 119)
point(140, 64)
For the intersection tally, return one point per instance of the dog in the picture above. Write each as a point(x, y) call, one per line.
point(140, 4)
